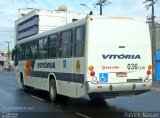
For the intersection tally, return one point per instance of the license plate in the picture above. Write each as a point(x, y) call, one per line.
point(121, 74)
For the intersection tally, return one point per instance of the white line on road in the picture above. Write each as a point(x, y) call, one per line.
point(82, 115)
point(37, 98)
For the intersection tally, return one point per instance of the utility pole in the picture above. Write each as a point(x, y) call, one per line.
point(102, 3)
point(153, 30)
point(8, 50)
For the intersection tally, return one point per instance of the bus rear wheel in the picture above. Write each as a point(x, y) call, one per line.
point(52, 91)
point(24, 87)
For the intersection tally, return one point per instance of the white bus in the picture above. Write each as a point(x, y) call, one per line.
point(98, 56)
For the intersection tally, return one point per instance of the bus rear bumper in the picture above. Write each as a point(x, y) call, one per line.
point(120, 88)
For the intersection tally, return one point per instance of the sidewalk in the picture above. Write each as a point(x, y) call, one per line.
point(156, 86)
point(5, 71)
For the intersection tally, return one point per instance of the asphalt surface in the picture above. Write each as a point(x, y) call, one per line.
point(15, 103)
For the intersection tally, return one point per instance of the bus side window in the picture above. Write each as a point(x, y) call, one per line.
point(27, 51)
point(22, 52)
point(79, 42)
point(66, 44)
point(16, 55)
point(40, 48)
point(34, 49)
point(52, 46)
point(43, 48)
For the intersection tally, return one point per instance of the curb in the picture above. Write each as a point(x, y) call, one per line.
point(155, 89)
point(156, 86)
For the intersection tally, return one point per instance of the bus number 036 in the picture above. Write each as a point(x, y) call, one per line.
point(132, 66)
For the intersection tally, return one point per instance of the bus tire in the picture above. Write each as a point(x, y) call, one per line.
point(96, 97)
point(24, 87)
point(52, 90)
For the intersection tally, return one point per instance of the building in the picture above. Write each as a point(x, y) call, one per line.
point(4, 60)
point(23, 11)
point(34, 21)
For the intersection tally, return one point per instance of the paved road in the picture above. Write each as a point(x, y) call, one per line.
point(15, 102)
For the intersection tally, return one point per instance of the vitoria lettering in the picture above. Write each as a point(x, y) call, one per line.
point(46, 65)
point(121, 56)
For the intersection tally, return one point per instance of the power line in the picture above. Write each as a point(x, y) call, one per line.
point(135, 12)
point(6, 31)
point(88, 1)
point(157, 17)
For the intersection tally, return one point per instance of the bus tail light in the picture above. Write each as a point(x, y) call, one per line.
point(148, 72)
point(92, 73)
point(147, 77)
point(149, 67)
point(94, 79)
point(91, 67)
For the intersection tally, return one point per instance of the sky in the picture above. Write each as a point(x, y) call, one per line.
point(9, 12)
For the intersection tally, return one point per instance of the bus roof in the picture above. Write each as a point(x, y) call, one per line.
point(55, 30)
point(74, 24)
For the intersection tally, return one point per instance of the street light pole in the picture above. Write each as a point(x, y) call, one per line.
point(85, 6)
point(90, 12)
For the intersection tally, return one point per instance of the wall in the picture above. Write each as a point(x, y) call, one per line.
point(158, 36)
point(158, 65)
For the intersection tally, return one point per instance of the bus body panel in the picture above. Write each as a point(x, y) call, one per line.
point(120, 52)
point(67, 73)
point(118, 49)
